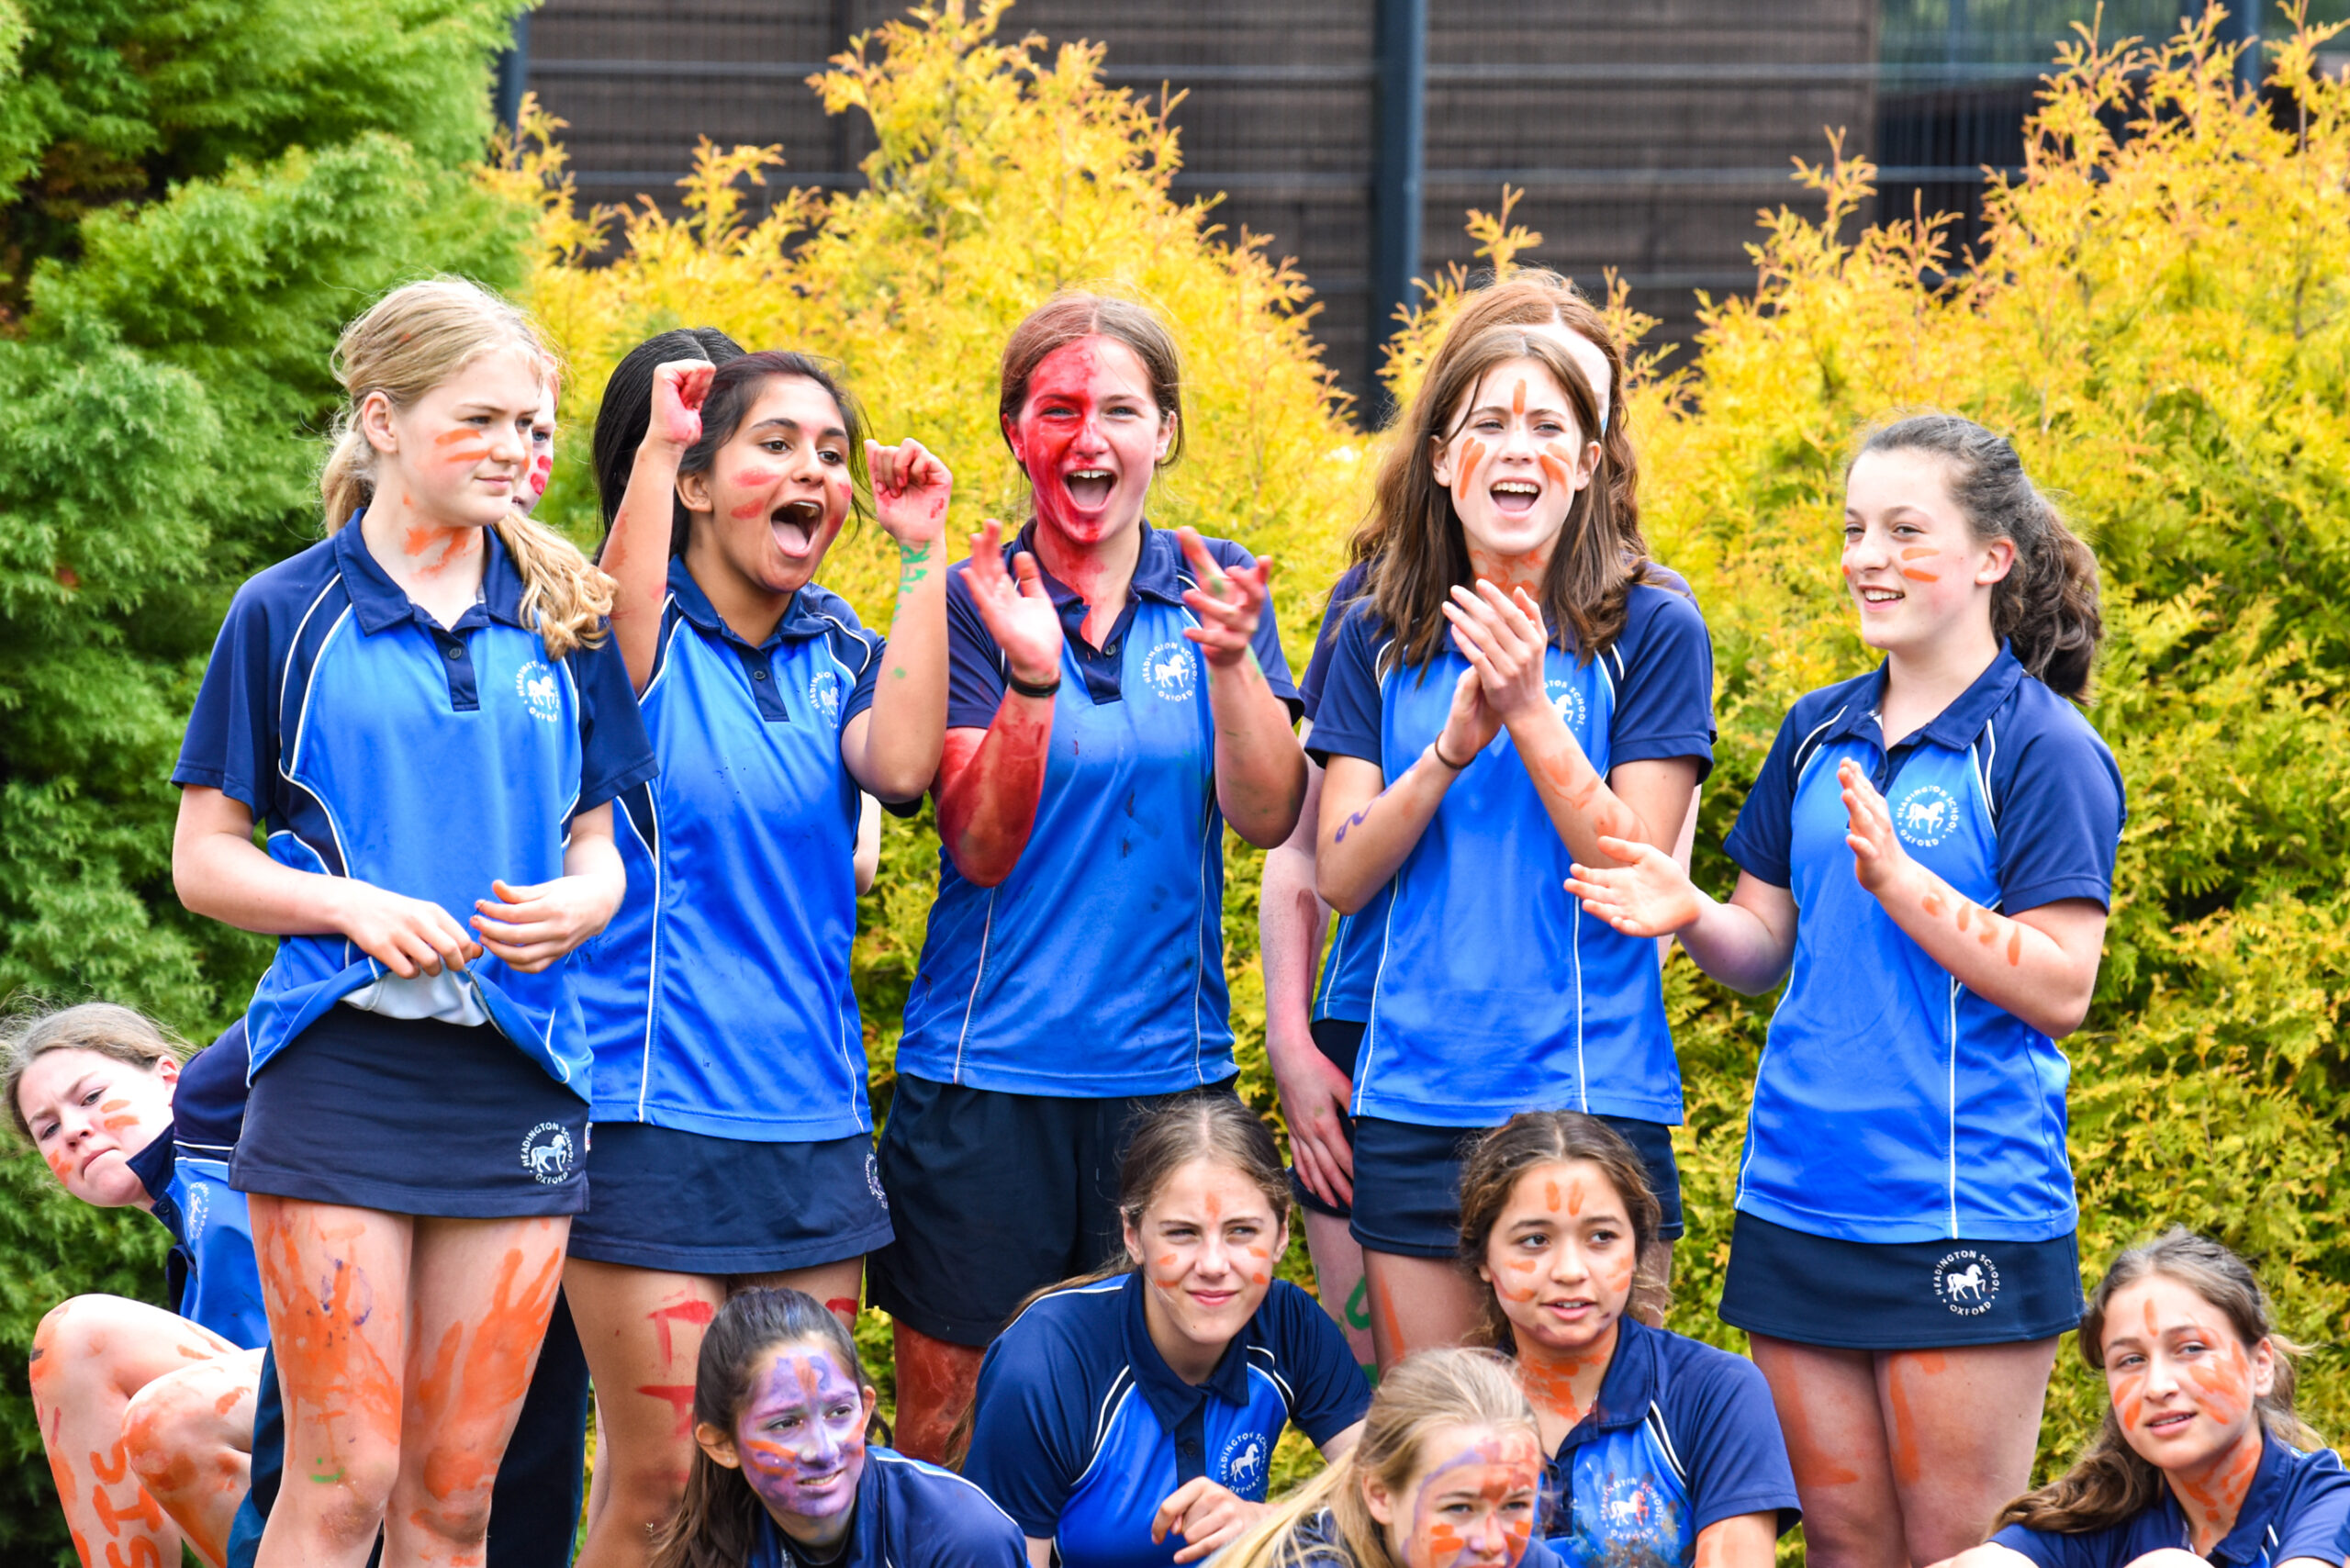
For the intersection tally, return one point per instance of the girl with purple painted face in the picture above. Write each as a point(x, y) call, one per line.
point(788, 1471)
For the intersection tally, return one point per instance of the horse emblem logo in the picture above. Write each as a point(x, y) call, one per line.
point(1925, 816)
point(1567, 700)
point(1171, 670)
point(1967, 1281)
point(1243, 1463)
point(824, 693)
point(534, 684)
point(548, 1154)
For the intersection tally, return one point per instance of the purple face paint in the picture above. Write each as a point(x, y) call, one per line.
point(802, 1436)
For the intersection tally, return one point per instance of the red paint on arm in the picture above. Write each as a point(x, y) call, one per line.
point(987, 802)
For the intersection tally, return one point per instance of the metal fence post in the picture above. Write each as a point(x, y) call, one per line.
point(1400, 112)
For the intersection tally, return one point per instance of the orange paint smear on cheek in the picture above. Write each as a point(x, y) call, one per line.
point(1472, 453)
point(1556, 469)
point(1915, 575)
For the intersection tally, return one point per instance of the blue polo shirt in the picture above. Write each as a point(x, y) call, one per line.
point(1482, 943)
point(1350, 965)
point(1081, 1430)
point(718, 1001)
point(1683, 1436)
point(2299, 1506)
point(373, 743)
point(909, 1515)
point(210, 1275)
point(1893, 1104)
point(1096, 968)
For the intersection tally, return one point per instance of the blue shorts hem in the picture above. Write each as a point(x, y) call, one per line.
point(686, 1259)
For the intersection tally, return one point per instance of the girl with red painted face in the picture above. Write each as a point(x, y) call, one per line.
point(730, 1064)
point(2202, 1457)
point(1116, 694)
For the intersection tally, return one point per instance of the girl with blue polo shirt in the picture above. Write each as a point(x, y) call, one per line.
point(1510, 687)
point(730, 1064)
point(786, 1473)
point(1128, 1417)
point(1116, 694)
point(1447, 1474)
point(1662, 1449)
point(1932, 845)
point(1313, 1032)
point(424, 712)
point(2200, 1459)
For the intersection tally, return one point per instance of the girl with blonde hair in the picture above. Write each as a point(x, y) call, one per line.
point(423, 712)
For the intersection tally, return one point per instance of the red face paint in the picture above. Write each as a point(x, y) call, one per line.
point(1088, 433)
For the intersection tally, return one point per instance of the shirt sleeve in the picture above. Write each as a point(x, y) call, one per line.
point(2093, 1549)
point(970, 1534)
point(1334, 615)
point(1764, 841)
point(1267, 643)
point(616, 756)
point(2318, 1523)
point(2060, 819)
point(1331, 1393)
point(1729, 1434)
point(1028, 1426)
point(1346, 722)
point(231, 745)
point(974, 664)
point(873, 646)
point(1666, 706)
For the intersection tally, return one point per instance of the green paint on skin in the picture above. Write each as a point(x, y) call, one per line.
point(896, 673)
point(1358, 1305)
point(334, 1480)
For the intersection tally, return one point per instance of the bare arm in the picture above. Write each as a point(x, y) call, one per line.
point(867, 857)
point(991, 778)
point(893, 749)
point(1743, 1540)
point(1367, 825)
point(1746, 943)
point(1289, 921)
point(636, 555)
point(1259, 771)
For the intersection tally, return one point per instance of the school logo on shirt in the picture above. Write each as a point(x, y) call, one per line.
point(1925, 816)
point(534, 684)
point(1966, 1282)
point(1630, 1512)
point(1567, 700)
point(873, 1179)
point(824, 693)
point(199, 1207)
point(548, 1154)
point(1243, 1462)
point(1171, 670)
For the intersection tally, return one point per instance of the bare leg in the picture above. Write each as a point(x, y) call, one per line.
point(1417, 1304)
point(1337, 1273)
point(1652, 1288)
point(837, 1285)
point(190, 1436)
point(1830, 1411)
point(91, 1356)
point(599, 1473)
point(335, 1281)
point(935, 1381)
point(641, 1329)
point(482, 1292)
point(1964, 1425)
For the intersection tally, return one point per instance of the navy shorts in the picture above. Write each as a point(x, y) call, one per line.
point(1407, 1182)
point(996, 1195)
point(1339, 1040)
point(1899, 1295)
point(412, 1117)
point(689, 1203)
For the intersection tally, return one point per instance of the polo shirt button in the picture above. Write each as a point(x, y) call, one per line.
point(456, 650)
point(1110, 646)
point(758, 675)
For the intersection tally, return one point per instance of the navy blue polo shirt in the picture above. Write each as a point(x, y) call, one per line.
point(718, 1001)
point(373, 743)
point(1893, 1104)
point(1081, 1430)
point(210, 1275)
point(1350, 965)
point(910, 1515)
point(1096, 967)
point(1483, 943)
point(1683, 1436)
point(2299, 1506)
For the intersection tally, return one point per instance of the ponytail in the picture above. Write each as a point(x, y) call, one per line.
point(2046, 607)
point(410, 342)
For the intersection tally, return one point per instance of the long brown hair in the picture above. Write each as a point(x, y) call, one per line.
point(1528, 1141)
point(2110, 1482)
point(404, 345)
point(717, 1521)
point(1424, 554)
point(1073, 315)
point(1536, 297)
point(106, 1028)
point(1449, 1387)
point(2046, 607)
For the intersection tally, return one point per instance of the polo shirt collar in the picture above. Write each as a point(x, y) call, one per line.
point(1160, 571)
point(379, 603)
point(799, 620)
point(1956, 727)
point(2244, 1542)
point(1171, 1399)
point(1627, 1390)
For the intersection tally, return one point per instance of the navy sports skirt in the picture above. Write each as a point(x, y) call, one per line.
point(1899, 1295)
point(689, 1204)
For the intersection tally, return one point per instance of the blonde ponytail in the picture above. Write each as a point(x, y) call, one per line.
point(410, 342)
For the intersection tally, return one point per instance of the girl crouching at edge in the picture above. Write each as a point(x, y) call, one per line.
point(2202, 1457)
point(787, 1472)
point(1447, 1474)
